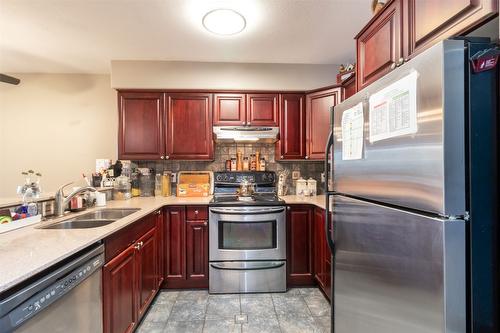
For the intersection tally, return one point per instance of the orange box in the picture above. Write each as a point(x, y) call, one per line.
point(193, 184)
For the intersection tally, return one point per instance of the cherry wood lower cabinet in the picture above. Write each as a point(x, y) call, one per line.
point(130, 278)
point(186, 257)
point(322, 254)
point(300, 264)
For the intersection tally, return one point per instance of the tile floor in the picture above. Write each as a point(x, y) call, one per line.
point(298, 310)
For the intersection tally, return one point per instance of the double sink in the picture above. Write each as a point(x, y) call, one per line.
point(97, 218)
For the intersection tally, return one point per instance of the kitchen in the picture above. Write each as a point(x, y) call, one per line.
point(261, 186)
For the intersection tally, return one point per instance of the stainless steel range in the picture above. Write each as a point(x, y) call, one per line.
point(247, 234)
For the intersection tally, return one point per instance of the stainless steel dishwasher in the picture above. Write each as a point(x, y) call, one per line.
point(64, 298)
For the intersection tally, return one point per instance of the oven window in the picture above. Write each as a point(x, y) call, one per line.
point(247, 235)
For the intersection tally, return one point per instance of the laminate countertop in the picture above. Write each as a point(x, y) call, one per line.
point(28, 251)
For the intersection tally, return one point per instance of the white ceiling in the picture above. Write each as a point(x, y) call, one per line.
point(83, 36)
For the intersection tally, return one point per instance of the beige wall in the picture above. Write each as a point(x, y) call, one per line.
point(57, 124)
point(215, 75)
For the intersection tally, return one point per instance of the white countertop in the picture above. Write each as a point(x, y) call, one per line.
point(28, 251)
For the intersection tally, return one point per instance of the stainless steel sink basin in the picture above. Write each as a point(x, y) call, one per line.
point(93, 219)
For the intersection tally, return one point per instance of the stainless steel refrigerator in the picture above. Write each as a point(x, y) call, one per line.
point(412, 158)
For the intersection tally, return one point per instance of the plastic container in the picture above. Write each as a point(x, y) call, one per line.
point(312, 186)
point(122, 189)
point(301, 187)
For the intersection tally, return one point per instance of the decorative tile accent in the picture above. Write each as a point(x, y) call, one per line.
point(224, 152)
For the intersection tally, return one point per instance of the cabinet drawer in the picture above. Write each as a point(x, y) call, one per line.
point(196, 213)
point(119, 241)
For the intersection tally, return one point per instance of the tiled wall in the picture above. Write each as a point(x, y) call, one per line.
point(224, 152)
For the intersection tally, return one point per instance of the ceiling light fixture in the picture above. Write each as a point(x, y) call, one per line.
point(224, 22)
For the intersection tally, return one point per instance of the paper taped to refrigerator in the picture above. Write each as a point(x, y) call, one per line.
point(393, 110)
point(352, 133)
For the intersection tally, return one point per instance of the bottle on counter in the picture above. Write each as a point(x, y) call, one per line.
point(166, 185)
point(257, 161)
point(239, 160)
point(246, 164)
point(233, 164)
point(253, 163)
point(228, 165)
point(312, 186)
point(262, 164)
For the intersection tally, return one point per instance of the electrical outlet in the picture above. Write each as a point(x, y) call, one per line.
point(323, 178)
point(173, 177)
point(295, 175)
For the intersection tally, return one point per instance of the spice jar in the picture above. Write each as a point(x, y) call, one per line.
point(246, 164)
point(253, 163)
point(239, 160)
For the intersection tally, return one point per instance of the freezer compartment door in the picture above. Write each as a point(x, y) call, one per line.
point(421, 166)
point(396, 271)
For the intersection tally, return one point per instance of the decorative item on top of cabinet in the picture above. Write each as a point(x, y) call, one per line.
point(318, 106)
point(189, 126)
point(262, 109)
point(141, 129)
point(379, 45)
point(229, 110)
point(292, 142)
point(299, 246)
point(377, 6)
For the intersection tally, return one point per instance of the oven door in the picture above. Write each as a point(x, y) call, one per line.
point(247, 233)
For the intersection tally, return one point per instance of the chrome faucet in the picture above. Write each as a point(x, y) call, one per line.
point(61, 201)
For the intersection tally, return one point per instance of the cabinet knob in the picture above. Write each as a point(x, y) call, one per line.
point(196, 212)
point(243, 123)
point(307, 157)
point(162, 157)
point(158, 212)
point(167, 157)
point(248, 123)
point(137, 247)
point(282, 157)
point(400, 61)
point(393, 65)
point(205, 223)
point(288, 208)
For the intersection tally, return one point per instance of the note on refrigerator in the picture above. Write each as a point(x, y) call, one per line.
point(352, 133)
point(393, 110)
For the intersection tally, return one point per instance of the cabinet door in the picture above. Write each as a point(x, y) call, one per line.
point(299, 246)
point(318, 121)
point(292, 143)
point(262, 109)
point(175, 239)
point(197, 254)
point(189, 129)
point(119, 293)
point(433, 20)
point(379, 45)
point(319, 247)
point(160, 234)
point(140, 132)
point(147, 267)
point(229, 109)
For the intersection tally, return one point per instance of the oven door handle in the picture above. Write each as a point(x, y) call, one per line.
point(247, 266)
point(246, 211)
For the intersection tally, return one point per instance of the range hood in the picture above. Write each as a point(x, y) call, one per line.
point(246, 134)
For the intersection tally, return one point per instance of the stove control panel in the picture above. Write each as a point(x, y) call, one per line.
point(237, 177)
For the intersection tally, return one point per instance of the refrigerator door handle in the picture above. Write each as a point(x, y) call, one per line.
point(329, 239)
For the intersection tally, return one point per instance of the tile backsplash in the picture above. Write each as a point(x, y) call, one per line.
point(224, 152)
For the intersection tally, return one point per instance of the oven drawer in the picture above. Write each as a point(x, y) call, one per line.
point(247, 277)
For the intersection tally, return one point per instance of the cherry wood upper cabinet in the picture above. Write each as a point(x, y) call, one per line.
point(140, 134)
point(300, 246)
point(229, 109)
point(189, 126)
point(318, 121)
point(379, 45)
point(119, 293)
point(432, 20)
point(292, 142)
point(262, 109)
